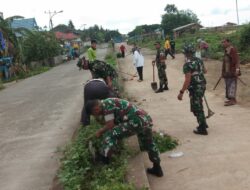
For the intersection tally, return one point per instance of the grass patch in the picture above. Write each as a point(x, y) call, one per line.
point(164, 142)
point(23, 75)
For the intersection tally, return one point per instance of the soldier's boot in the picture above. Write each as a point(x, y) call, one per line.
point(155, 170)
point(160, 89)
point(166, 87)
point(201, 130)
point(105, 160)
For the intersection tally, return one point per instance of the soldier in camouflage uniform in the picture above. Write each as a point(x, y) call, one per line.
point(122, 120)
point(99, 69)
point(161, 67)
point(195, 82)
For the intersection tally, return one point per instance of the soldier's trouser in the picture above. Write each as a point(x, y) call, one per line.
point(162, 74)
point(197, 107)
point(127, 129)
point(231, 87)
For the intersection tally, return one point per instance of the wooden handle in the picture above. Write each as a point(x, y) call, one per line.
point(153, 73)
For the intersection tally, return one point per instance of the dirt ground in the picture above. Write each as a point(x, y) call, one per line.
point(217, 161)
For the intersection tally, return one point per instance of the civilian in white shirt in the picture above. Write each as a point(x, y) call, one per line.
point(138, 61)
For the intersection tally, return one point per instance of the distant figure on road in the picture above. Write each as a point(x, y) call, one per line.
point(172, 45)
point(138, 61)
point(168, 48)
point(230, 71)
point(204, 47)
point(92, 51)
point(123, 49)
point(160, 61)
point(195, 83)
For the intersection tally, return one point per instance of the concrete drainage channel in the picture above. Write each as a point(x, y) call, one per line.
point(136, 172)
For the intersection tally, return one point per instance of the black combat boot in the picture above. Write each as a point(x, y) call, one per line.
point(105, 160)
point(165, 87)
point(155, 170)
point(201, 130)
point(160, 89)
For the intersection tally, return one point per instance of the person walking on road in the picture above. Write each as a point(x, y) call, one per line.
point(172, 45)
point(195, 83)
point(230, 71)
point(168, 48)
point(122, 119)
point(160, 61)
point(123, 49)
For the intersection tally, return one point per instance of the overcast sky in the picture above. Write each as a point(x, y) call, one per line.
point(124, 15)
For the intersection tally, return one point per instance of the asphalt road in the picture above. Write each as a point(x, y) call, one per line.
point(38, 115)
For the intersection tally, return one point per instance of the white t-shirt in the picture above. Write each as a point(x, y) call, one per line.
point(138, 59)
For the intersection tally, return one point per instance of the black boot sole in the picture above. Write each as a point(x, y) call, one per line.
point(197, 132)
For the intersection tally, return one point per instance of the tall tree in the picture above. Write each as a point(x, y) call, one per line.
point(71, 25)
point(175, 18)
point(171, 9)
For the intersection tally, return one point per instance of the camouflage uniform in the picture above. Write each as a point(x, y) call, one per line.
point(197, 88)
point(129, 120)
point(100, 69)
point(161, 66)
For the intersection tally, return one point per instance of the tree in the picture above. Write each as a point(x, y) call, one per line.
point(175, 18)
point(71, 25)
point(62, 28)
point(144, 29)
point(171, 9)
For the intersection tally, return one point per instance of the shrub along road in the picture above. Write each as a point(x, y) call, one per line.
point(217, 161)
point(38, 115)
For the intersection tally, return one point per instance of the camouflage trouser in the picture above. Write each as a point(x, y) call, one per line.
point(140, 126)
point(196, 104)
point(162, 74)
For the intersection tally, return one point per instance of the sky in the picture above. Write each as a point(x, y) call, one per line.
point(124, 15)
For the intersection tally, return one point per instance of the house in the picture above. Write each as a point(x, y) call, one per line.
point(27, 23)
point(191, 28)
point(66, 36)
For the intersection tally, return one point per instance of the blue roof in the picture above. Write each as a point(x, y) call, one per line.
point(28, 23)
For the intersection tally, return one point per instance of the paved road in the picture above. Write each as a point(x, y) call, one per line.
point(38, 115)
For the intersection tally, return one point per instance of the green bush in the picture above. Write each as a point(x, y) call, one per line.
point(79, 171)
point(39, 46)
point(245, 37)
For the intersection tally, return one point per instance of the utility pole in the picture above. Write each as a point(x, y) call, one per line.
point(237, 12)
point(51, 15)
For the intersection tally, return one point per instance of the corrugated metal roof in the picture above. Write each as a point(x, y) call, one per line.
point(186, 26)
point(66, 36)
point(28, 23)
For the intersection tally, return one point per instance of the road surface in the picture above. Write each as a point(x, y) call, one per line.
point(38, 115)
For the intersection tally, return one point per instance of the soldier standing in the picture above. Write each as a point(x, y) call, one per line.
point(161, 67)
point(195, 83)
point(122, 120)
